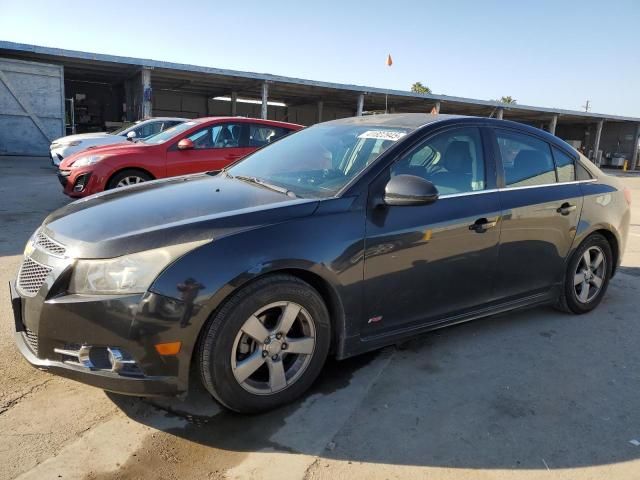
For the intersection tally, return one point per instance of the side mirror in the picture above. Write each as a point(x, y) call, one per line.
point(404, 190)
point(185, 144)
point(131, 135)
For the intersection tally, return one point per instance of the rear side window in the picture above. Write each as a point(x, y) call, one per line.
point(260, 135)
point(582, 173)
point(565, 165)
point(526, 160)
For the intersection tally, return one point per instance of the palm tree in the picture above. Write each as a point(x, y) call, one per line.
point(507, 99)
point(418, 87)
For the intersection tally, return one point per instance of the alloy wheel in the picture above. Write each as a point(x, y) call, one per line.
point(273, 348)
point(130, 180)
point(590, 274)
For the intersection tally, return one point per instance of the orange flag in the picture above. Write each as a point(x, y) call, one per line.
point(389, 60)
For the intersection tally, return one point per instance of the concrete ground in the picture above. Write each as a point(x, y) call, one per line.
point(527, 395)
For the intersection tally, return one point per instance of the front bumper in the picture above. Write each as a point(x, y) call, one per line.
point(46, 327)
point(78, 183)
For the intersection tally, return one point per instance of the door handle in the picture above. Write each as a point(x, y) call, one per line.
point(566, 208)
point(482, 225)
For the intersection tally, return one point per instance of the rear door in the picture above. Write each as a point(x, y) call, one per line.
point(541, 204)
point(214, 147)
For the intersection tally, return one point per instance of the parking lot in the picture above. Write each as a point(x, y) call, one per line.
point(532, 394)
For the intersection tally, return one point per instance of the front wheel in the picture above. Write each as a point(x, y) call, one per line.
point(266, 345)
point(126, 178)
point(587, 276)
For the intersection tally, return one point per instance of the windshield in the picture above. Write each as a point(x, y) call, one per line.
point(318, 161)
point(124, 127)
point(169, 133)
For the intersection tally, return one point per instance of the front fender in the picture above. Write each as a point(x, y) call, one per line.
point(328, 247)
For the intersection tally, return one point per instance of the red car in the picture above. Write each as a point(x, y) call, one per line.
point(199, 145)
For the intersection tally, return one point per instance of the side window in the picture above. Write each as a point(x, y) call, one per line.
point(260, 135)
point(526, 160)
point(226, 135)
point(148, 129)
point(565, 165)
point(582, 173)
point(453, 161)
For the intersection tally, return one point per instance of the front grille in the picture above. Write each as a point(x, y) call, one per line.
point(31, 276)
point(49, 246)
point(32, 339)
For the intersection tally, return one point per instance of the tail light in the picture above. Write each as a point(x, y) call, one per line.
point(627, 194)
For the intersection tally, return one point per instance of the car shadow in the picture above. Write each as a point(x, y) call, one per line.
point(535, 389)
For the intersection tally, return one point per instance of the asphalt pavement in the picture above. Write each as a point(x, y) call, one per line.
point(525, 395)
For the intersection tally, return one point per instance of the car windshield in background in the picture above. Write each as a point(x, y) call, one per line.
point(169, 133)
point(319, 161)
point(124, 127)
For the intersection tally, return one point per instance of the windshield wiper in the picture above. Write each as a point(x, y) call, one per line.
point(262, 183)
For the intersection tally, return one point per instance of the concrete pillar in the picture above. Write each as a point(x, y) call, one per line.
point(320, 108)
point(633, 163)
point(553, 124)
point(596, 142)
point(147, 106)
point(436, 107)
point(128, 95)
point(499, 113)
point(265, 99)
point(360, 106)
point(234, 104)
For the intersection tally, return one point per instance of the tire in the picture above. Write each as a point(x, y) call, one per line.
point(131, 175)
point(573, 298)
point(273, 375)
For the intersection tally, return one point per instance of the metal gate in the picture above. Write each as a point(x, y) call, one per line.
point(31, 106)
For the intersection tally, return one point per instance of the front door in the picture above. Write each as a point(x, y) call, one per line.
point(424, 264)
point(541, 205)
point(214, 147)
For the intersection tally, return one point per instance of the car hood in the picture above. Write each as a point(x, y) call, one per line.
point(167, 212)
point(121, 148)
point(83, 136)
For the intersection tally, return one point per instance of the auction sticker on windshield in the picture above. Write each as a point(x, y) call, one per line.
point(392, 135)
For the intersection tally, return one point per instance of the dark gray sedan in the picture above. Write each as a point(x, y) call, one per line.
point(339, 239)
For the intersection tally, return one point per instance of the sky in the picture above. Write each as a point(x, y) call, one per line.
point(545, 53)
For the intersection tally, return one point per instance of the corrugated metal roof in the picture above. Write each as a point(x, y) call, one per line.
point(141, 62)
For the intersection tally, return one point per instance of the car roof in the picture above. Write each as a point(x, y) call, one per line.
point(245, 119)
point(397, 120)
point(152, 119)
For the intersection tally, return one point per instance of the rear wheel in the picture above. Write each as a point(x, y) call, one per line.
point(587, 276)
point(266, 345)
point(128, 177)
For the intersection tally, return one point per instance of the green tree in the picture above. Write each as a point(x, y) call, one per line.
point(509, 100)
point(418, 87)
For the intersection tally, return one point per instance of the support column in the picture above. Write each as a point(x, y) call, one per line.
point(596, 143)
point(436, 107)
point(147, 106)
point(360, 106)
point(553, 124)
point(128, 95)
point(633, 163)
point(320, 108)
point(265, 99)
point(234, 104)
point(500, 113)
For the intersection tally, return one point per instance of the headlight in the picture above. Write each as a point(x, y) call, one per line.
point(127, 274)
point(86, 160)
